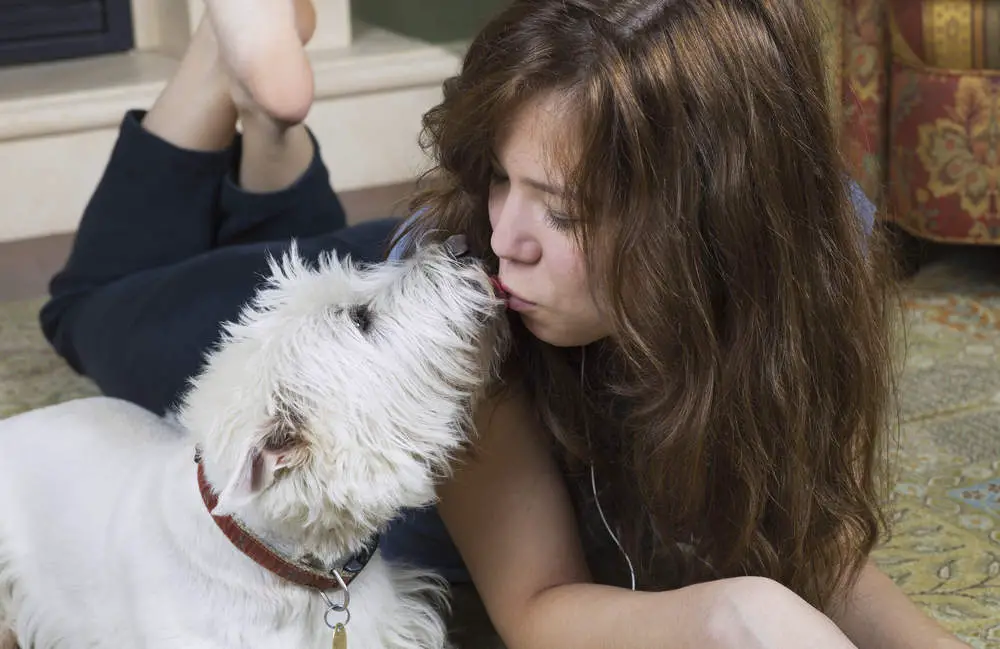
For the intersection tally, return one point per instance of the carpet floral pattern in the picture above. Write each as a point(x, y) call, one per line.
point(945, 547)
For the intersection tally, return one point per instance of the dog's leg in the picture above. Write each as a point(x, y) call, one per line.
point(7, 639)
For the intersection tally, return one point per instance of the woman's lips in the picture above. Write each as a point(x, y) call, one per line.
point(515, 302)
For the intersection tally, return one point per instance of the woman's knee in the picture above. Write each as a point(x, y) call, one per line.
point(56, 319)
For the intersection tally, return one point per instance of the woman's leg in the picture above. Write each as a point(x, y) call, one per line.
point(279, 187)
point(114, 313)
point(157, 201)
point(142, 337)
point(195, 111)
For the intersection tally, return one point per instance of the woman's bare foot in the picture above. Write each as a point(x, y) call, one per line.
point(261, 42)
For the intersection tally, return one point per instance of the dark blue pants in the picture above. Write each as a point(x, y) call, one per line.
point(168, 249)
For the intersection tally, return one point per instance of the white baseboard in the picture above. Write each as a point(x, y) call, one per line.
point(58, 121)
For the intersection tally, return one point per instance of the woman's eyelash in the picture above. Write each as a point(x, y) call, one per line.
point(555, 220)
point(558, 221)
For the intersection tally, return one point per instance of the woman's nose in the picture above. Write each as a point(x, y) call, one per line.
point(513, 237)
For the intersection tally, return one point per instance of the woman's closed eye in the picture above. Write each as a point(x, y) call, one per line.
point(559, 221)
point(553, 218)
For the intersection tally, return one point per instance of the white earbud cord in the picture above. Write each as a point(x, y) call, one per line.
point(593, 486)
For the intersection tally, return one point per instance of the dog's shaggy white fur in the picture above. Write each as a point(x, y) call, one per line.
point(338, 398)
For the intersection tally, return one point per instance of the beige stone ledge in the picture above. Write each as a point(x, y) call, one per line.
point(69, 96)
point(58, 121)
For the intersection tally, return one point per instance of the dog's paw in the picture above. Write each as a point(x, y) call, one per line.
point(8, 640)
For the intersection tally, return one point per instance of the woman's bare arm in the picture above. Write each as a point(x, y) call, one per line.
point(508, 511)
point(879, 615)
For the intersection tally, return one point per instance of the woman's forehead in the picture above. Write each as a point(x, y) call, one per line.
point(541, 134)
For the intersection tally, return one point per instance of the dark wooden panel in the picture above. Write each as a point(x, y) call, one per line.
point(118, 25)
point(27, 22)
point(47, 30)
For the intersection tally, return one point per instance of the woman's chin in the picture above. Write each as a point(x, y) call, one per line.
point(560, 334)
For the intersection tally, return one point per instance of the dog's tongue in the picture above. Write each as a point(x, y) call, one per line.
point(498, 287)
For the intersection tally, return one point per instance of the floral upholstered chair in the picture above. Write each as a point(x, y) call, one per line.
point(917, 86)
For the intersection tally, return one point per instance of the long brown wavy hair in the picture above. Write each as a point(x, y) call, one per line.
point(736, 414)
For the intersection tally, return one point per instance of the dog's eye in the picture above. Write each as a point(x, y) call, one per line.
point(361, 316)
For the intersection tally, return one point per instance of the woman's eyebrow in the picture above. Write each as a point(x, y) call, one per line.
point(543, 187)
point(537, 184)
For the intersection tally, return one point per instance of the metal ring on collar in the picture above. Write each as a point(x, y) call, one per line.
point(333, 625)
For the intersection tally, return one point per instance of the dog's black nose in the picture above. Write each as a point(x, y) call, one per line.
point(457, 245)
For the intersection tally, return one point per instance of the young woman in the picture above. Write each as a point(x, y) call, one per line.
point(702, 363)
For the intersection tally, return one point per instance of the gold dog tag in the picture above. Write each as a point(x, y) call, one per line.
point(339, 637)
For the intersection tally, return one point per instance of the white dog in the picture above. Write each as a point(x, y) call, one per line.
point(338, 398)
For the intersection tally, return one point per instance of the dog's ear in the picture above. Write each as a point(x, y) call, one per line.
point(280, 448)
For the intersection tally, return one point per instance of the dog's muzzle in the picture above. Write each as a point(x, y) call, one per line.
point(458, 246)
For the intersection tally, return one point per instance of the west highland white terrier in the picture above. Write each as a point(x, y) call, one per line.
point(246, 518)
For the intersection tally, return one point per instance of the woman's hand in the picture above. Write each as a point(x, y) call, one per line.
point(875, 612)
point(753, 612)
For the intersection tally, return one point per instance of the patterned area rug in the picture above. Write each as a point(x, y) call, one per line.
point(945, 548)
